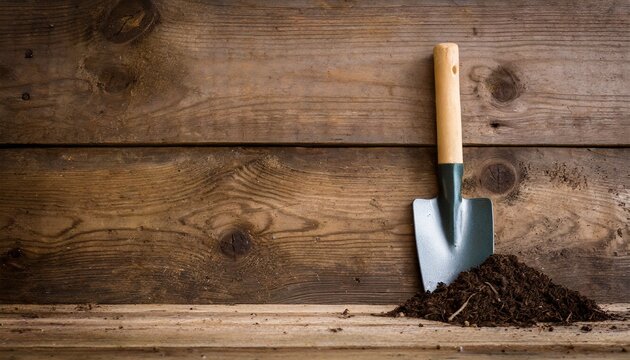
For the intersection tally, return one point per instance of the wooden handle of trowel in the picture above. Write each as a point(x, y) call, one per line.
point(448, 108)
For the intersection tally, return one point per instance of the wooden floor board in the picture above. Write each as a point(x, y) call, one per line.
point(307, 72)
point(284, 331)
point(197, 353)
point(290, 225)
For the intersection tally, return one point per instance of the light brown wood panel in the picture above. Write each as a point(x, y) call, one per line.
point(196, 353)
point(285, 331)
point(310, 72)
point(292, 225)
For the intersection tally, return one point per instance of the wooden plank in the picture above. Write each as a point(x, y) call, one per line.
point(302, 72)
point(284, 354)
point(290, 225)
point(283, 331)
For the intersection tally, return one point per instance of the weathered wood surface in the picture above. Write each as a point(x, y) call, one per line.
point(291, 225)
point(320, 72)
point(284, 331)
point(197, 353)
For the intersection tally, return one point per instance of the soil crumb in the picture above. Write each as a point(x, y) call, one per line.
point(501, 292)
point(346, 314)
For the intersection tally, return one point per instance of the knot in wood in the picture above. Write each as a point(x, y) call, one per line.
point(13, 259)
point(503, 84)
point(129, 19)
point(113, 79)
point(236, 243)
point(498, 178)
point(15, 253)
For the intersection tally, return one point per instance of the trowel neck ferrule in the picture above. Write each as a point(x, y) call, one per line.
point(450, 182)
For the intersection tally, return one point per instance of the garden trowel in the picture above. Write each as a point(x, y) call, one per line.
point(452, 234)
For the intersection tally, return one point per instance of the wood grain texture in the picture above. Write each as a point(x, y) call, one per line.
point(290, 225)
point(285, 331)
point(196, 353)
point(310, 72)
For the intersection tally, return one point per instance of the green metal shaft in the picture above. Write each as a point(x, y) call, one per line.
point(450, 200)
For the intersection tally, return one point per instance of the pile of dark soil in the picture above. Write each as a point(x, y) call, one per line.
point(500, 292)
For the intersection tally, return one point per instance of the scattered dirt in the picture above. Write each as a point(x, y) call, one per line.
point(572, 177)
point(523, 175)
point(586, 328)
point(469, 185)
point(83, 307)
point(346, 314)
point(501, 292)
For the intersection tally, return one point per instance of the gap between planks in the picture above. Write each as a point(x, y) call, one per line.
point(328, 145)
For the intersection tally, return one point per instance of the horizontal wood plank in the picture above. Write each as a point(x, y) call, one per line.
point(310, 72)
point(291, 225)
point(285, 331)
point(196, 353)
